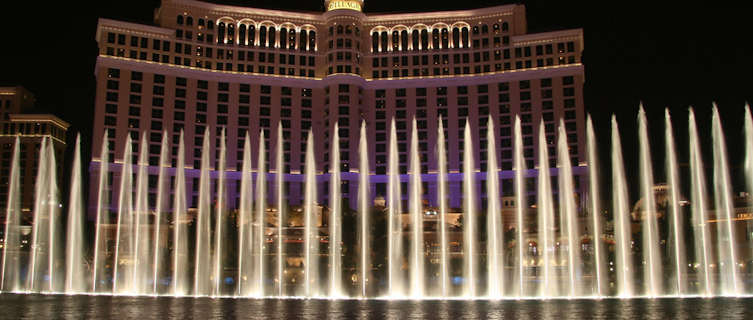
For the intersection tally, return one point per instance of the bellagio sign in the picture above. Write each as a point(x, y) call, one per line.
point(344, 4)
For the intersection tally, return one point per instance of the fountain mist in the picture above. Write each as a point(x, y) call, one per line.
point(311, 228)
point(75, 273)
point(495, 252)
point(469, 214)
point(335, 217)
point(519, 163)
point(568, 211)
point(546, 229)
point(596, 224)
point(677, 231)
point(363, 209)
point(416, 217)
point(621, 213)
point(10, 280)
point(698, 201)
point(444, 263)
point(245, 224)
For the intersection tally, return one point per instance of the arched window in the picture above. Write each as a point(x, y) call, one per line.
point(415, 35)
point(495, 27)
point(283, 38)
point(456, 37)
point(189, 21)
point(395, 40)
point(435, 39)
point(291, 39)
point(348, 30)
point(221, 32)
point(404, 40)
point(445, 39)
point(230, 34)
point(304, 39)
point(242, 34)
point(210, 25)
point(252, 35)
point(375, 42)
point(312, 40)
point(263, 36)
point(424, 39)
point(340, 29)
point(272, 36)
point(464, 34)
point(358, 32)
point(505, 26)
point(484, 29)
point(180, 20)
point(475, 30)
point(385, 41)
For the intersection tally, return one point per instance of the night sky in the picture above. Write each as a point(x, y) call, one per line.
point(634, 51)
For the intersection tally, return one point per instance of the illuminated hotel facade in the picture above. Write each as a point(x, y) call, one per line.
point(206, 66)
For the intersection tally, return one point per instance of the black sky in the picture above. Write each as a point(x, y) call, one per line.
point(666, 56)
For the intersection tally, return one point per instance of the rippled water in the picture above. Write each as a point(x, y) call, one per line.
point(14, 306)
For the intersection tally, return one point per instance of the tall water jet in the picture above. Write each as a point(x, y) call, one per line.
point(75, 281)
point(595, 207)
point(469, 215)
point(624, 263)
point(11, 272)
point(180, 284)
point(124, 242)
point(728, 264)
point(495, 260)
point(568, 211)
point(142, 239)
point(652, 262)
point(38, 233)
point(394, 224)
point(519, 162)
point(203, 258)
point(335, 217)
point(245, 224)
point(219, 225)
point(280, 181)
point(53, 214)
point(162, 179)
point(363, 209)
point(103, 216)
point(546, 229)
point(416, 217)
point(261, 210)
point(311, 228)
point(444, 261)
point(748, 150)
point(698, 207)
point(676, 231)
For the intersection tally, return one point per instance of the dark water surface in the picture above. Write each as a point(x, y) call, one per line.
point(13, 306)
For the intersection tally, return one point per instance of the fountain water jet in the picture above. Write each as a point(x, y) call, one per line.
point(595, 206)
point(75, 274)
point(261, 205)
point(568, 214)
point(416, 217)
point(311, 229)
point(546, 230)
point(444, 263)
point(649, 225)
point(495, 260)
point(677, 230)
point(180, 232)
point(728, 264)
point(280, 181)
point(245, 223)
point(363, 208)
point(519, 164)
point(103, 215)
point(335, 230)
point(621, 213)
point(469, 214)
point(219, 233)
point(123, 243)
point(394, 224)
point(698, 201)
point(10, 280)
point(140, 267)
point(203, 258)
point(160, 206)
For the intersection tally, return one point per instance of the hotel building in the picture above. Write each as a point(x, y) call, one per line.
point(205, 66)
point(17, 120)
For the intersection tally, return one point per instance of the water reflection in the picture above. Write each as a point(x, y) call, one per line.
point(145, 308)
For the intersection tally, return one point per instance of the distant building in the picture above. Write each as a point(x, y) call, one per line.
point(17, 120)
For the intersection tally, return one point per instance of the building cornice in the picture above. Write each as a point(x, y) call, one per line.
point(547, 37)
